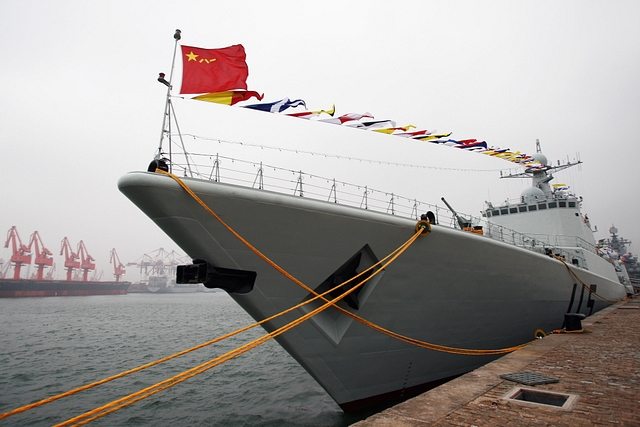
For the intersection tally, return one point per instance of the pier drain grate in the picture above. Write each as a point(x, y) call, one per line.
point(529, 378)
point(536, 398)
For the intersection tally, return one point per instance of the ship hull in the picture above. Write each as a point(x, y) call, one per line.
point(450, 287)
point(10, 288)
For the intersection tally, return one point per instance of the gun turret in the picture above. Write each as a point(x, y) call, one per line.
point(464, 223)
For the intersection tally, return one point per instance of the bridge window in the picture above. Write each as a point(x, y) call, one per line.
point(513, 210)
point(563, 204)
point(572, 204)
point(522, 208)
point(533, 208)
point(542, 206)
point(495, 212)
point(504, 211)
point(553, 205)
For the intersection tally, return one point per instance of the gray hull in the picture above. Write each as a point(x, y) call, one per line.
point(450, 287)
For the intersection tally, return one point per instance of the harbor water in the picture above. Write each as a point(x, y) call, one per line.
point(51, 345)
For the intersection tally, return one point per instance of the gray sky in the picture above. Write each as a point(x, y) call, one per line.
point(81, 105)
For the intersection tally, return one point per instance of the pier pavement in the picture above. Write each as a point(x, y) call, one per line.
point(600, 366)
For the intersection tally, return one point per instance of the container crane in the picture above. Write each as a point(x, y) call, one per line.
point(20, 254)
point(44, 257)
point(70, 258)
point(3, 268)
point(96, 277)
point(87, 262)
point(118, 267)
point(50, 273)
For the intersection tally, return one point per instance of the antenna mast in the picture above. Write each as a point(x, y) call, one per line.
point(166, 122)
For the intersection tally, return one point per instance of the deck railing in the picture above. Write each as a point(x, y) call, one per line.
point(297, 182)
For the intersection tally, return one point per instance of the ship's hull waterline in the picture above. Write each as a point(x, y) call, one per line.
point(450, 287)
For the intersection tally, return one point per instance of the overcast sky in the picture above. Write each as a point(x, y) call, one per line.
point(81, 105)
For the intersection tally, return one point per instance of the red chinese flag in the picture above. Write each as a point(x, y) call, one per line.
point(213, 70)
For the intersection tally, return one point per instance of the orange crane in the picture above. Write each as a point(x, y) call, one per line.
point(118, 267)
point(87, 261)
point(44, 257)
point(20, 255)
point(70, 258)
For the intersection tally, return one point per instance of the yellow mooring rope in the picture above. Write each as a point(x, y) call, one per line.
point(149, 391)
point(584, 285)
point(393, 254)
point(423, 227)
point(423, 344)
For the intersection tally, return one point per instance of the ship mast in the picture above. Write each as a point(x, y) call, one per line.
point(541, 176)
point(158, 161)
point(166, 119)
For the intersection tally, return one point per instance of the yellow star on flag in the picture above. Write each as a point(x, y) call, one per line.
point(192, 56)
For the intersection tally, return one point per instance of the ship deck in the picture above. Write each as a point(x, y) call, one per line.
point(599, 366)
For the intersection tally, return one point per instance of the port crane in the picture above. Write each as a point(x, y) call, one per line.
point(3, 268)
point(87, 262)
point(44, 257)
point(70, 258)
point(50, 273)
point(160, 262)
point(118, 267)
point(96, 277)
point(20, 254)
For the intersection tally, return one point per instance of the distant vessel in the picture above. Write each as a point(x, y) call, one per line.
point(59, 288)
point(166, 284)
point(78, 265)
point(614, 249)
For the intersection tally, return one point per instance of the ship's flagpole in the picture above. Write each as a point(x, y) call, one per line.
point(167, 106)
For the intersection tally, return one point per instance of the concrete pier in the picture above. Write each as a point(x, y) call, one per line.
point(599, 370)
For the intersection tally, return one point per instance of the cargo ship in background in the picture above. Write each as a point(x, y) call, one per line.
point(78, 264)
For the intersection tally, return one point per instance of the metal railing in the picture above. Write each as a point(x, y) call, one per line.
point(297, 182)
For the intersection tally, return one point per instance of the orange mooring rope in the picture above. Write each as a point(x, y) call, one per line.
point(412, 341)
point(140, 368)
point(156, 388)
point(584, 285)
point(423, 227)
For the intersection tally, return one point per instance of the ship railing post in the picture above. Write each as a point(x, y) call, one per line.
point(333, 191)
point(391, 205)
point(414, 211)
point(299, 183)
point(215, 170)
point(365, 199)
point(259, 179)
